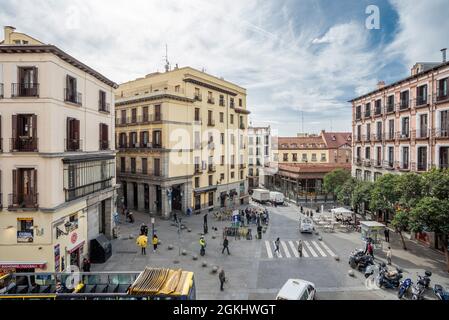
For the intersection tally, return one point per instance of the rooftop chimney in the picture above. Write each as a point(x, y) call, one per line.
point(380, 84)
point(8, 30)
point(443, 51)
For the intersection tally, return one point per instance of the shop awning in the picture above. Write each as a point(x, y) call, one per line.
point(23, 264)
point(76, 247)
point(205, 189)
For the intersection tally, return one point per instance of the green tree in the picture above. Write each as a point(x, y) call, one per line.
point(436, 183)
point(401, 222)
point(384, 194)
point(345, 192)
point(361, 194)
point(432, 214)
point(409, 189)
point(334, 180)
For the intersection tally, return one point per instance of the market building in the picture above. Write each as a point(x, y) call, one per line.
point(300, 164)
point(57, 158)
point(182, 141)
point(259, 155)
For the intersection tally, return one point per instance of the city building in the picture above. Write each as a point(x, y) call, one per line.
point(403, 126)
point(182, 141)
point(259, 155)
point(300, 164)
point(57, 158)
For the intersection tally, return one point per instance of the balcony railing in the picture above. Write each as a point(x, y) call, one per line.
point(421, 101)
point(138, 120)
point(78, 192)
point(367, 163)
point(403, 135)
point(377, 163)
point(23, 201)
point(378, 137)
point(441, 96)
point(104, 107)
point(104, 144)
point(243, 166)
point(366, 138)
point(367, 113)
point(211, 168)
point(73, 144)
point(210, 100)
point(389, 136)
point(211, 123)
point(421, 134)
point(198, 97)
point(138, 145)
point(420, 166)
point(378, 111)
point(358, 138)
point(24, 90)
point(198, 169)
point(2, 92)
point(443, 165)
point(358, 161)
point(403, 166)
point(389, 108)
point(221, 103)
point(358, 116)
point(73, 97)
point(403, 105)
point(232, 104)
point(388, 164)
point(441, 133)
point(24, 144)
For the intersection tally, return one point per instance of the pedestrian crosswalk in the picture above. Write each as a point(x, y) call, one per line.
point(289, 249)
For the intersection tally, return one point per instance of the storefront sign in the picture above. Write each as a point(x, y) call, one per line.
point(57, 258)
point(25, 236)
point(22, 265)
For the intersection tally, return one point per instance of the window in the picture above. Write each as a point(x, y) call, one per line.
point(404, 100)
point(221, 117)
point(367, 153)
point(241, 175)
point(25, 194)
point(405, 157)
point(197, 182)
point(144, 165)
point(314, 157)
point(231, 102)
point(232, 139)
point(133, 165)
point(71, 94)
point(197, 114)
point(222, 176)
point(221, 100)
point(157, 167)
point(390, 103)
point(210, 118)
point(102, 105)
point(285, 157)
point(358, 112)
point(377, 175)
point(379, 131)
point(231, 120)
point(422, 133)
point(157, 139)
point(24, 132)
point(198, 94)
point(421, 95)
point(240, 102)
point(232, 175)
point(177, 88)
point(211, 182)
point(266, 151)
point(422, 158)
point(25, 230)
point(323, 157)
point(145, 139)
point(28, 85)
point(368, 110)
point(133, 115)
point(390, 156)
point(295, 157)
point(222, 160)
point(368, 132)
point(405, 127)
point(359, 132)
point(222, 138)
point(304, 157)
point(378, 107)
point(104, 136)
point(442, 89)
point(122, 164)
point(250, 141)
point(444, 124)
point(211, 199)
point(73, 135)
point(391, 129)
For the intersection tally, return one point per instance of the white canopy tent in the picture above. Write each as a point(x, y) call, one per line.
point(341, 210)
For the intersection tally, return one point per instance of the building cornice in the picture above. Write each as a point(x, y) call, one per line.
point(209, 86)
point(152, 98)
point(59, 53)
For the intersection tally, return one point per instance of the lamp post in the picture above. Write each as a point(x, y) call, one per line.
point(152, 226)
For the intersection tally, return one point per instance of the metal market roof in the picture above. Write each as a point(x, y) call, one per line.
point(160, 281)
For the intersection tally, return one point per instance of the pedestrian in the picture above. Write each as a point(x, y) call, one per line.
point(222, 277)
point(370, 250)
point(276, 244)
point(202, 246)
point(389, 256)
point(142, 242)
point(225, 245)
point(387, 235)
point(300, 248)
point(248, 218)
point(175, 217)
point(155, 243)
point(143, 229)
point(86, 265)
point(259, 232)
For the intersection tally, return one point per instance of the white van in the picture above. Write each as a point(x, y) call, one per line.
point(261, 195)
point(306, 225)
point(276, 197)
point(297, 289)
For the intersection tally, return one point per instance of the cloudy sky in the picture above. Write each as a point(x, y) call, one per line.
point(299, 59)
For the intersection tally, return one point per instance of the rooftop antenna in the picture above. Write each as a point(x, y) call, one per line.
point(167, 63)
point(331, 125)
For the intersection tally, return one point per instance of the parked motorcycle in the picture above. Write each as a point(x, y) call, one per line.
point(441, 293)
point(388, 279)
point(425, 280)
point(404, 287)
point(359, 260)
point(418, 291)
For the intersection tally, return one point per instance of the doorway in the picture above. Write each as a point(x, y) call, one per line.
point(176, 198)
point(158, 198)
point(146, 196)
point(102, 222)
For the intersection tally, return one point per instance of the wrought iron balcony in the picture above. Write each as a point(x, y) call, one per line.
point(73, 96)
point(24, 144)
point(19, 90)
point(23, 201)
point(73, 145)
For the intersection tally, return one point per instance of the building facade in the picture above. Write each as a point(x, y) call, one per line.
point(182, 141)
point(300, 164)
point(259, 155)
point(403, 127)
point(57, 158)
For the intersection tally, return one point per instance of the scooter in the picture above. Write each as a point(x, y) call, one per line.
point(359, 260)
point(404, 287)
point(418, 291)
point(441, 293)
point(425, 280)
point(388, 279)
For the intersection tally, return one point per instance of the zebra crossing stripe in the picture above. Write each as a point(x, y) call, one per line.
point(328, 249)
point(270, 254)
point(279, 254)
point(319, 248)
point(310, 248)
point(304, 252)
point(292, 246)
point(287, 253)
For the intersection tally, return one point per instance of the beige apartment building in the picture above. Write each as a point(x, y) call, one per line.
point(182, 141)
point(259, 155)
point(403, 126)
point(57, 158)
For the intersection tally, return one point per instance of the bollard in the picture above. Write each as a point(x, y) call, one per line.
point(337, 258)
point(195, 257)
point(184, 252)
point(204, 264)
point(170, 247)
point(351, 273)
point(214, 269)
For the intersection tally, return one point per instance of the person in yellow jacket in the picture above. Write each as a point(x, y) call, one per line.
point(142, 242)
point(155, 243)
point(203, 246)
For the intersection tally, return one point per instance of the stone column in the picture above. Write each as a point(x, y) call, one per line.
point(109, 217)
point(165, 205)
point(152, 199)
point(130, 195)
point(186, 196)
point(141, 197)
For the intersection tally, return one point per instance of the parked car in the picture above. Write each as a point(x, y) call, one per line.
point(306, 225)
point(297, 289)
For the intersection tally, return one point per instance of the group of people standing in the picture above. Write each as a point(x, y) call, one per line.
point(256, 216)
point(142, 240)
